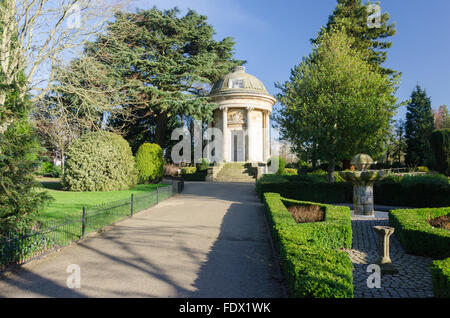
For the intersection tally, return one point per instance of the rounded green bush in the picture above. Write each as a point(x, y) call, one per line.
point(99, 161)
point(149, 162)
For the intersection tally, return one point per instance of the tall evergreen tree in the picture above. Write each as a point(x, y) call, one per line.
point(166, 63)
point(372, 41)
point(418, 128)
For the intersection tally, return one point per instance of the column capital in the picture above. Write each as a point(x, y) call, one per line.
point(250, 108)
point(223, 108)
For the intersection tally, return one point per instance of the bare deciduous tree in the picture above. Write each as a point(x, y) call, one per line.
point(38, 35)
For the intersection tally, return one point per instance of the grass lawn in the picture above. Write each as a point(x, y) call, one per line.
point(68, 203)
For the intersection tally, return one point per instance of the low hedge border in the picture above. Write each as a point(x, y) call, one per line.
point(440, 271)
point(417, 236)
point(385, 193)
point(309, 255)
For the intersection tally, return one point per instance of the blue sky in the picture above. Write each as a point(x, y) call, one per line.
point(273, 36)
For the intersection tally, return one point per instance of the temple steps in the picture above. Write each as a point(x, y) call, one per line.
point(235, 172)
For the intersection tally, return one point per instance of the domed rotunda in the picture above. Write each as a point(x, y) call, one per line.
point(242, 114)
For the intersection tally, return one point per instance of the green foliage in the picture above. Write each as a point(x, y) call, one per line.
point(204, 165)
point(19, 200)
point(440, 143)
point(416, 191)
point(48, 169)
point(149, 163)
point(99, 161)
point(188, 170)
point(372, 41)
point(307, 188)
point(335, 104)
point(311, 262)
point(192, 174)
point(417, 235)
point(165, 61)
point(440, 271)
point(419, 126)
point(20, 247)
point(290, 171)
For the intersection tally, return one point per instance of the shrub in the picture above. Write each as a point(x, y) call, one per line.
point(149, 163)
point(417, 235)
point(423, 169)
point(48, 169)
point(307, 188)
point(311, 263)
point(417, 191)
point(188, 170)
point(440, 271)
point(192, 174)
point(290, 171)
point(440, 143)
point(99, 161)
point(204, 165)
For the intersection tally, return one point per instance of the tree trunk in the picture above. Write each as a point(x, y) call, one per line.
point(313, 158)
point(331, 165)
point(62, 162)
point(161, 129)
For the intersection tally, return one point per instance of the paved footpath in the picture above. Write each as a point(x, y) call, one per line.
point(414, 277)
point(210, 241)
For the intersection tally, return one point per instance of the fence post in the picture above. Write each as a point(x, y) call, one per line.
point(132, 204)
point(157, 195)
point(83, 226)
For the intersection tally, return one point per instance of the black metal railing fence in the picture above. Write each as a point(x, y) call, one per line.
point(46, 237)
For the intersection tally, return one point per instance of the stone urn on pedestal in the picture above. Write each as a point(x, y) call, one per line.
point(363, 180)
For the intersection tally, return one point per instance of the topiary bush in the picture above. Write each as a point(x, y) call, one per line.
point(99, 161)
point(440, 142)
point(149, 162)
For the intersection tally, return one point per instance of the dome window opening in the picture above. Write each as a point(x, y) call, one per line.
point(236, 83)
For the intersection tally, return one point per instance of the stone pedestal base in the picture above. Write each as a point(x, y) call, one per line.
point(363, 199)
point(384, 260)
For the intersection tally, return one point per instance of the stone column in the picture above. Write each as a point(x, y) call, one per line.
point(224, 133)
point(266, 141)
point(250, 134)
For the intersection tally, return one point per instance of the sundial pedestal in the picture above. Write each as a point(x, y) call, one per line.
point(384, 260)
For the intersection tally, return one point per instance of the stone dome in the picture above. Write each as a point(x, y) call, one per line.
point(238, 81)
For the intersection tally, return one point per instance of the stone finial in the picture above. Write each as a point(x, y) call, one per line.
point(239, 69)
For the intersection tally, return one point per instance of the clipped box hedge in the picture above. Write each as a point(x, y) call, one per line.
point(440, 271)
point(417, 236)
point(323, 192)
point(311, 262)
point(422, 194)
